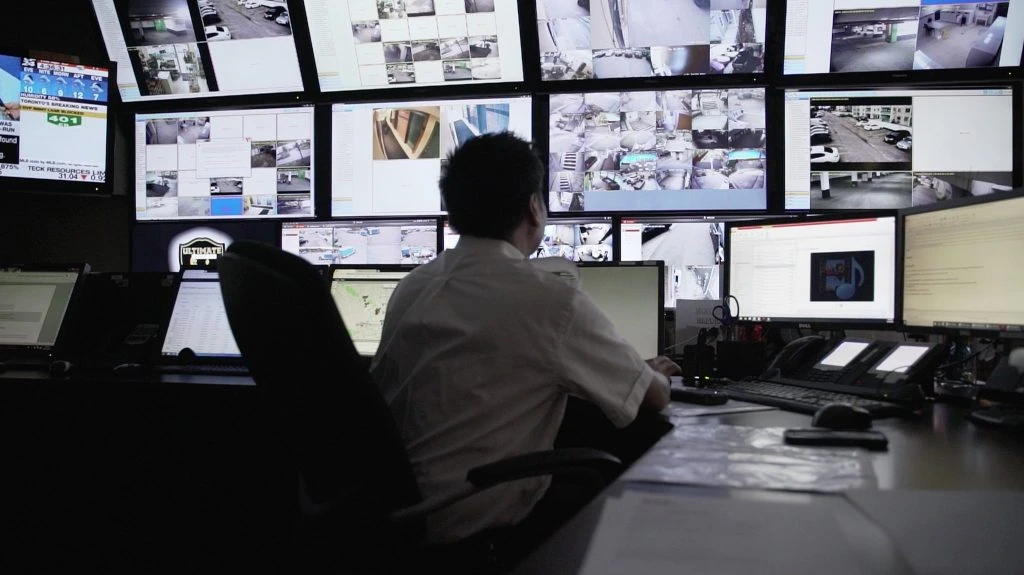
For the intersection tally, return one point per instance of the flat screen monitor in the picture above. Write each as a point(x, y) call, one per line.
point(410, 242)
point(34, 302)
point(199, 321)
point(692, 248)
point(583, 39)
point(386, 157)
point(224, 164)
point(897, 148)
point(368, 44)
point(676, 150)
point(449, 237)
point(961, 265)
point(168, 247)
point(630, 294)
point(362, 294)
point(55, 131)
point(178, 49)
point(849, 36)
point(578, 240)
point(834, 270)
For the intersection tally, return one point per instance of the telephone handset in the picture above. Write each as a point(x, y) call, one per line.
point(797, 355)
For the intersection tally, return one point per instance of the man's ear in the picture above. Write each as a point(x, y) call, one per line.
point(538, 211)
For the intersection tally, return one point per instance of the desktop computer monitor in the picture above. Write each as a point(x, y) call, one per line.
point(224, 164)
point(895, 148)
point(629, 39)
point(36, 300)
point(179, 49)
point(849, 36)
point(631, 295)
point(199, 321)
point(362, 242)
point(168, 247)
point(578, 240)
point(55, 130)
point(961, 266)
point(825, 270)
point(658, 151)
point(387, 157)
point(394, 44)
point(362, 294)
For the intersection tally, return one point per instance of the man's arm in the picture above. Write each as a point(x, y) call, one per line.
point(657, 396)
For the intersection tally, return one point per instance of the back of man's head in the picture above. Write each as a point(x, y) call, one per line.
point(489, 183)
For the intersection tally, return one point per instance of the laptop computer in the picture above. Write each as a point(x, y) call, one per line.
point(35, 302)
point(198, 337)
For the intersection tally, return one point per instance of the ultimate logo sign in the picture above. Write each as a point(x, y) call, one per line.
point(201, 252)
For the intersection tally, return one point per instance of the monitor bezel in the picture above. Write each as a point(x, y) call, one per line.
point(64, 333)
point(819, 323)
point(1016, 193)
point(660, 265)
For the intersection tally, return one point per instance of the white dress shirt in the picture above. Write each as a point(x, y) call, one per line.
point(479, 352)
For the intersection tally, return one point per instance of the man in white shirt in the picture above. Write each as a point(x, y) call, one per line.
point(480, 349)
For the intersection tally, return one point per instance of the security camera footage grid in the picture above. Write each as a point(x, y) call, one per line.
point(384, 242)
point(577, 242)
point(584, 39)
point(658, 150)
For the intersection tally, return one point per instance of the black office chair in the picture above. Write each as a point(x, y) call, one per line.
point(352, 499)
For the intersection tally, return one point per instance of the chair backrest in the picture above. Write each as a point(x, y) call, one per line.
point(326, 411)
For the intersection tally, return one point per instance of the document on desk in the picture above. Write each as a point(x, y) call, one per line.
point(745, 532)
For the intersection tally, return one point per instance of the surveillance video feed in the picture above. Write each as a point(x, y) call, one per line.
point(891, 149)
point(584, 39)
point(367, 242)
point(577, 241)
point(658, 150)
point(693, 252)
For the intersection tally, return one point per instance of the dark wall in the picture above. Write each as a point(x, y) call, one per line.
point(48, 227)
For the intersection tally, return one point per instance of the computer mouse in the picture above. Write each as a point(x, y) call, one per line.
point(842, 416)
point(60, 368)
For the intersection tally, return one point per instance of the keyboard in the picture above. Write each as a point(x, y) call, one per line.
point(204, 369)
point(804, 400)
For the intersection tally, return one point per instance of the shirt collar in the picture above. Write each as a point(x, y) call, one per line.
point(473, 244)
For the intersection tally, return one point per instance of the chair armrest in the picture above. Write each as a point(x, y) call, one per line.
point(569, 460)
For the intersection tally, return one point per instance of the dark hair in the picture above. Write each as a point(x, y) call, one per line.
point(488, 183)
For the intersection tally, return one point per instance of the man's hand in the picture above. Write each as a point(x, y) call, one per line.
point(664, 366)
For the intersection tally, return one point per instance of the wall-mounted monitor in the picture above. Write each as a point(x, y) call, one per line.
point(225, 163)
point(578, 240)
point(386, 157)
point(896, 148)
point(168, 247)
point(901, 36)
point(176, 49)
point(55, 131)
point(595, 39)
point(409, 242)
point(672, 150)
point(381, 44)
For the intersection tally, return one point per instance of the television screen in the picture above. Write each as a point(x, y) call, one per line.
point(167, 247)
point(578, 240)
point(368, 44)
point(386, 157)
point(889, 149)
point(362, 242)
point(173, 49)
point(53, 123)
point(658, 151)
point(580, 39)
point(228, 163)
point(829, 36)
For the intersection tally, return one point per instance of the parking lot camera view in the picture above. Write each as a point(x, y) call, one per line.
point(368, 242)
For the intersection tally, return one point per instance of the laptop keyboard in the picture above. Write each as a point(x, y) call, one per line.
point(205, 369)
point(803, 400)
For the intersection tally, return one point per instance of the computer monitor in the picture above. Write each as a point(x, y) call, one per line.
point(850, 36)
point(896, 148)
point(386, 157)
point(168, 247)
point(225, 164)
point(836, 270)
point(199, 321)
point(178, 49)
point(55, 131)
point(639, 151)
point(631, 39)
point(578, 240)
point(631, 295)
point(449, 237)
point(961, 265)
point(387, 44)
point(362, 242)
point(693, 249)
point(34, 301)
point(362, 294)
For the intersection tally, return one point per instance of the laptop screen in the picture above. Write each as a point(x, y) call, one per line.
point(199, 321)
point(362, 297)
point(33, 305)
